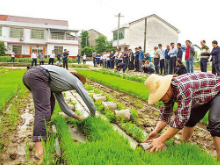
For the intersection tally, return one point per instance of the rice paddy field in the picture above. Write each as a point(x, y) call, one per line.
point(106, 139)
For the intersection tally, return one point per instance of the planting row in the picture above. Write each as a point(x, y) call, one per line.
point(106, 146)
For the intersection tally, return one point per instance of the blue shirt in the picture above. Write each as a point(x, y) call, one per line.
point(141, 55)
point(167, 54)
point(98, 59)
point(173, 52)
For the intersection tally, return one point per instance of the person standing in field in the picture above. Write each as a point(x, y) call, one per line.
point(162, 57)
point(167, 61)
point(173, 54)
point(141, 57)
point(196, 94)
point(131, 59)
point(205, 54)
point(112, 59)
point(215, 58)
point(98, 57)
point(65, 58)
point(34, 58)
point(94, 60)
point(180, 52)
point(190, 52)
point(84, 58)
point(52, 56)
point(125, 58)
point(136, 60)
point(45, 82)
point(41, 57)
point(156, 58)
point(78, 58)
point(12, 57)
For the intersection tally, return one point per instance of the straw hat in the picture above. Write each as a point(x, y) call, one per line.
point(157, 87)
point(81, 77)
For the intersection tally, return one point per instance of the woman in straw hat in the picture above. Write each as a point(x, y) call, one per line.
point(196, 94)
point(46, 81)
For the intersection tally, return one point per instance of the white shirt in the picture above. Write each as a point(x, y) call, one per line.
point(84, 57)
point(107, 57)
point(52, 55)
point(120, 56)
point(162, 54)
point(12, 55)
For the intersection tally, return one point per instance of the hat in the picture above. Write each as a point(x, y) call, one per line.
point(157, 87)
point(79, 76)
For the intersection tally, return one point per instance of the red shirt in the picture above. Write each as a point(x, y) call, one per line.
point(187, 52)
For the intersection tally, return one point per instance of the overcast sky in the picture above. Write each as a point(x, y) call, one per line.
point(196, 19)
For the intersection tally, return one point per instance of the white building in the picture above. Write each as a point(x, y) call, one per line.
point(158, 31)
point(22, 35)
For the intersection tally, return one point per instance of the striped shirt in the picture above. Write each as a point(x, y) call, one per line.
point(189, 91)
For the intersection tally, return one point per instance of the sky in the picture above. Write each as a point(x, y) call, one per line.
point(196, 19)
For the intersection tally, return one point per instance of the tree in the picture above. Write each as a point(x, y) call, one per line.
point(2, 48)
point(84, 39)
point(101, 44)
point(88, 51)
point(109, 46)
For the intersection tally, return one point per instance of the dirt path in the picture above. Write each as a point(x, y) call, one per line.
point(15, 152)
point(148, 117)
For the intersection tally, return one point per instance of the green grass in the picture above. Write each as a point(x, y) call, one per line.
point(10, 83)
point(105, 146)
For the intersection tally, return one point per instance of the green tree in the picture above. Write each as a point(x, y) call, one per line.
point(88, 51)
point(109, 46)
point(101, 44)
point(2, 48)
point(84, 39)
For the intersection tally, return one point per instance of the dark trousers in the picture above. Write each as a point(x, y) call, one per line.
point(161, 66)
point(172, 65)
point(108, 63)
point(112, 64)
point(136, 65)
point(34, 61)
point(214, 121)
point(84, 61)
point(78, 60)
point(148, 70)
point(131, 65)
point(51, 60)
point(12, 59)
point(124, 68)
point(156, 63)
point(41, 62)
point(94, 62)
point(203, 64)
point(65, 63)
point(215, 68)
point(44, 101)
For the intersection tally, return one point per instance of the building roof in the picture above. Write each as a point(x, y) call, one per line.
point(96, 31)
point(32, 20)
point(156, 16)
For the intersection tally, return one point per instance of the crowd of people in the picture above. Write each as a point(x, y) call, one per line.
point(165, 61)
point(52, 56)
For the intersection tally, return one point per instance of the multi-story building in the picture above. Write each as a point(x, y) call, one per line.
point(93, 35)
point(157, 31)
point(22, 35)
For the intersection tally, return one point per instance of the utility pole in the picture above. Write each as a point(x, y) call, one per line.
point(145, 34)
point(119, 16)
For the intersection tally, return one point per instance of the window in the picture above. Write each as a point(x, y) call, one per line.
point(121, 35)
point(16, 32)
point(16, 49)
point(38, 34)
point(58, 50)
point(0, 31)
point(57, 35)
point(115, 36)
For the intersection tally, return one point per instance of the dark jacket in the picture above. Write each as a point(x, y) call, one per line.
point(137, 56)
point(181, 69)
point(216, 54)
point(180, 53)
point(131, 57)
point(167, 54)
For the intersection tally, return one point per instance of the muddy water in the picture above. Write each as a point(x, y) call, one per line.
point(15, 153)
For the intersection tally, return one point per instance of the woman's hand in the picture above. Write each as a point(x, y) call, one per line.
point(151, 136)
point(77, 117)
